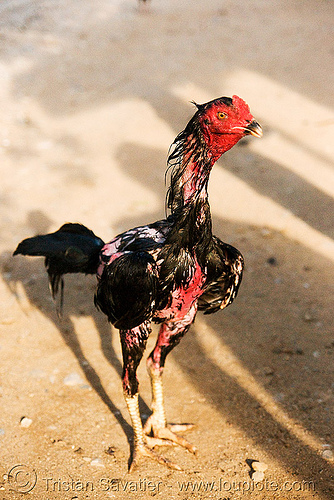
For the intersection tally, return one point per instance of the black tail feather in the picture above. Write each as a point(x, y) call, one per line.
point(72, 249)
point(54, 282)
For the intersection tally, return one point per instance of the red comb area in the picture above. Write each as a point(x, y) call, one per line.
point(242, 106)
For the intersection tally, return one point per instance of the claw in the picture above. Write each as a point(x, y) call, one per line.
point(152, 442)
point(180, 428)
point(143, 450)
point(166, 433)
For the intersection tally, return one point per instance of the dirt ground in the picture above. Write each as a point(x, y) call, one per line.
point(92, 94)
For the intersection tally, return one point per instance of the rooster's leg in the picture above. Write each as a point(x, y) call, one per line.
point(133, 345)
point(169, 336)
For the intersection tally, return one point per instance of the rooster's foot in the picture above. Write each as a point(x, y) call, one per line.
point(144, 450)
point(166, 433)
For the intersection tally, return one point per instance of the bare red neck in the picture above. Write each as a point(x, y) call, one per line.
point(196, 167)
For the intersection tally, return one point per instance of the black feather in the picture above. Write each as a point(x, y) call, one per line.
point(72, 249)
point(224, 274)
point(127, 289)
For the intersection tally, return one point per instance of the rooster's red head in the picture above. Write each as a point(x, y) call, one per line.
point(214, 129)
point(224, 121)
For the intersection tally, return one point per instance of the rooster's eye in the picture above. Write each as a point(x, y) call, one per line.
point(221, 115)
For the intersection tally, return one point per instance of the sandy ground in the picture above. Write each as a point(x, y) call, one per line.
point(92, 94)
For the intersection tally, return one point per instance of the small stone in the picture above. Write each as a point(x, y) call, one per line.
point(2, 432)
point(258, 476)
point(25, 422)
point(327, 454)
point(259, 466)
point(110, 451)
point(73, 379)
point(58, 442)
point(97, 462)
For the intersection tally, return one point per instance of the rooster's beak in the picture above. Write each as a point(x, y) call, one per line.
point(254, 128)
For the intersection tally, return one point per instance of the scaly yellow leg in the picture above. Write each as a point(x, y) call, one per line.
point(143, 444)
point(156, 423)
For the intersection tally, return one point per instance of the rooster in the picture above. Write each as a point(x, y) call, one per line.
point(162, 272)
